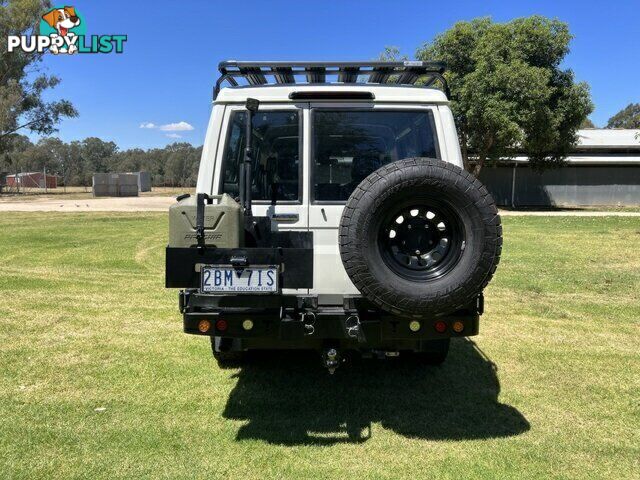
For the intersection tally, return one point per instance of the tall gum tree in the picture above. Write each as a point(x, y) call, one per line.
point(509, 94)
point(22, 107)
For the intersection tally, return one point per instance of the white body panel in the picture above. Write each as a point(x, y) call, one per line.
point(449, 145)
point(323, 219)
point(382, 93)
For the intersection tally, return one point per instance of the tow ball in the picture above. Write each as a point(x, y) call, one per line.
point(331, 359)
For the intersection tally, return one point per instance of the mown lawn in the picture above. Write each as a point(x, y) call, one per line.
point(98, 381)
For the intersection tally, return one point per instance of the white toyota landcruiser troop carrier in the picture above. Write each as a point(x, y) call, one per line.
point(332, 212)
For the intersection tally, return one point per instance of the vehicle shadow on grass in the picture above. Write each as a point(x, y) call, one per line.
point(289, 399)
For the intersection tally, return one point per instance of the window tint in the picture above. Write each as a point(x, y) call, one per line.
point(276, 147)
point(349, 145)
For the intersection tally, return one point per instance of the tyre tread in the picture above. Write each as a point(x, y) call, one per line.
point(393, 178)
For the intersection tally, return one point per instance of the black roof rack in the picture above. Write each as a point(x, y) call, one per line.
point(285, 73)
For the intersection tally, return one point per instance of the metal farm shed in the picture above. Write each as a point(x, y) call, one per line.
point(603, 170)
point(32, 180)
point(144, 181)
point(115, 185)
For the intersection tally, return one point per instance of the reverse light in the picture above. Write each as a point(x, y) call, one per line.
point(247, 324)
point(204, 326)
point(414, 326)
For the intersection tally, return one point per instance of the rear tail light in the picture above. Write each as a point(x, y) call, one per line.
point(221, 325)
point(440, 326)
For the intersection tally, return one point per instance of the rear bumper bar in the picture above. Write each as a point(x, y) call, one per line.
point(300, 318)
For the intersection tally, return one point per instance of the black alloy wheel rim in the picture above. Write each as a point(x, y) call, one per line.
point(421, 240)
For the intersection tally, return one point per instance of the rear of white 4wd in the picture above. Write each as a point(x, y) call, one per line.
point(318, 152)
point(354, 206)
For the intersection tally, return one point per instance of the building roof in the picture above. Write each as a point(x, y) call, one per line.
point(382, 93)
point(28, 174)
point(609, 138)
point(578, 159)
point(599, 146)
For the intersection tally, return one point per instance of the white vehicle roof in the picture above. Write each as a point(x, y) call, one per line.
point(381, 93)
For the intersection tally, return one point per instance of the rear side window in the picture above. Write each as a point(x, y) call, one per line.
point(276, 148)
point(349, 145)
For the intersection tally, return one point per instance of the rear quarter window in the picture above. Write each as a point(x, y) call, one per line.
point(276, 162)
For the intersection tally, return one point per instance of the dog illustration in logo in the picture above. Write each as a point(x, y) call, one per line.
point(62, 19)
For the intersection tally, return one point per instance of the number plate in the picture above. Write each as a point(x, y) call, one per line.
point(223, 278)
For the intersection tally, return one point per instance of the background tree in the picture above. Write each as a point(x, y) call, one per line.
point(97, 155)
point(12, 154)
point(181, 165)
point(509, 94)
point(21, 87)
point(75, 162)
point(628, 117)
point(587, 123)
point(57, 157)
point(391, 54)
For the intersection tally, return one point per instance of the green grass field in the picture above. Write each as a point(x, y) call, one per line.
point(98, 381)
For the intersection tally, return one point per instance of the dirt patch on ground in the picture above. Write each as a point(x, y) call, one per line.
point(125, 204)
point(567, 213)
point(83, 202)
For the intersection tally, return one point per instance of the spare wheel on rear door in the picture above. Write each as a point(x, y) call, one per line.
point(420, 237)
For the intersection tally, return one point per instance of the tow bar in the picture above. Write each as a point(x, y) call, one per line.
point(331, 359)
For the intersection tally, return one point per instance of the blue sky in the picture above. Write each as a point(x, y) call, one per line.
point(166, 73)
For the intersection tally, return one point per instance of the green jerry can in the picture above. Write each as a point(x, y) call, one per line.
point(223, 223)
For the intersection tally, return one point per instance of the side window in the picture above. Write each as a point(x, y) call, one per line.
point(276, 147)
point(349, 145)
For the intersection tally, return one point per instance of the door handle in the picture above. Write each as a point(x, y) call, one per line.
point(285, 217)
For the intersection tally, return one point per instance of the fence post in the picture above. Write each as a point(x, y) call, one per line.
point(513, 185)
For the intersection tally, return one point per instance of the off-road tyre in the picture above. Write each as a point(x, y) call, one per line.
point(474, 236)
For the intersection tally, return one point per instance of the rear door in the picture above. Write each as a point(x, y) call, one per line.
point(279, 190)
point(346, 143)
point(328, 172)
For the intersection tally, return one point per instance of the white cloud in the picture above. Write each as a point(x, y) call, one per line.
point(169, 127)
point(176, 127)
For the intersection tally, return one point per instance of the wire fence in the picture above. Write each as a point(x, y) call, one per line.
point(35, 183)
